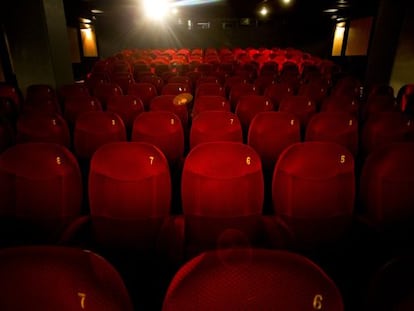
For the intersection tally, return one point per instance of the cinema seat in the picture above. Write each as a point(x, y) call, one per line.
point(252, 279)
point(211, 126)
point(146, 91)
point(239, 90)
point(94, 129)
point(270, 133)
point(166, 103)
point(314, 192)
point(41, 190)
point(248, 106)
point(46, 128)
point(103, 91)
point(337, 127)
point(222, 195)
point(277, 92)
point(129, 195)
point(75, 106)
point(128, 107)
point(59, 278)
point(338, 103)
point(301, 106)
point(386, 127)
point(386, 185)
point(162, 129)
point(209, 103)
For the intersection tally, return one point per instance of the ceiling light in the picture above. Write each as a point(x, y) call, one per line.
point(96, 11)
point(85, 20)
point(330, 10)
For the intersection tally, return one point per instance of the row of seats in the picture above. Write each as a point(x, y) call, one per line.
point(62, 278)
point(313, 191)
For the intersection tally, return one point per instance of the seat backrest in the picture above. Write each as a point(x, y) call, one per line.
point(59, 278)
point(41, 191)
point(129, 194)
point(252, 279)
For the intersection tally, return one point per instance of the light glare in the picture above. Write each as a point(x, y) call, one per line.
point(156, 9)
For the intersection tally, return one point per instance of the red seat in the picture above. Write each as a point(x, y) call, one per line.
point(210, 89)
point(314, 191)
point(378, 103)
point(39, 92)
point(276, 92)
point(210, 103)
point(7, 135)
point(166, 103)
point(59, 278)
point(211, 126)
point(387, 182)
point(155, 80)
point(341, 103)
point(252, 279)
point(103, 91)
point(301, 106)
point(73, 90)
point(41, 190)
point(239, 90)
point(175, 89)
point(74, 107)
point(222, 194)
point(248, 106)
point(162, 129)
point(94, 129)
point(12, 93)
point(46, 128)
point(337, 127)
point(145, 91)
point(129, 194)
point(270, 133)
point(128, 107)
point(384, 128)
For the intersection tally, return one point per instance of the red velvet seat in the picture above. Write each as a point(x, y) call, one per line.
point(129, 194)
point(301, 106)
point(248, 106)
point(41, 191)
point(128, 107)
point(59, 278)
point(314, 191)
point(210, 103)
point(252, 279)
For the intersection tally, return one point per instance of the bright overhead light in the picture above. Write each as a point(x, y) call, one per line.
point(156, 9)
point(85, 20)
point(286, 1)
point(96, 11)
point(264, 11)
point(330, 10)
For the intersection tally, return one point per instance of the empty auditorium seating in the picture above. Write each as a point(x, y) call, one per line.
point(73, 90)
point(252, 279)
point(239, 90)
point(211, 89)
point(41, 190)
point(270, 133)
point(59, 278)
point(387, 181)
point(162, 129)
point(12, 93)
point(175, 88)
point(248, 106)
point(146, 91)
point(378, 103)
point(94, 129)
point(222, 195)
point(74, 107)
point(338, 127)
point(301, 106)
point(166, 102)
point(277, 92)
point(129, 194)
point(103, 91)
point(127, 107)
point(211, 126)
point(314, 192)
point(344, 103)
point(385, 127)
point(46, 128)
point(39, 92)
point(209, 103)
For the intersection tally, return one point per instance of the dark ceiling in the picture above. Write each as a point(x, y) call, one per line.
point(303, 9)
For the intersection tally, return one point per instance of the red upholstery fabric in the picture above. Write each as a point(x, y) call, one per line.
point(211, 126)
point(209, 103)
point(146, 91)
point(94, 129)
point(248, 106)
point(162, 129)
point(301, 106)
point(47, 128)
point(41, 190)
point(252, 279)
point(277, 92)
point(270, 133)
point(166, 103)
point(314, 191)
point(337, 127)
point(129, 194)
point(58, 278)
point(75, 106)
point(387, 182)
point(128, 107)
